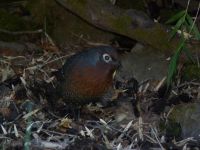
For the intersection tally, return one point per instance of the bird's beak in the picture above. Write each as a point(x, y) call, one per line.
point(117, 65)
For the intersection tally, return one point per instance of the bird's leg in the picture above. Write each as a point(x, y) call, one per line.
point(74, 111)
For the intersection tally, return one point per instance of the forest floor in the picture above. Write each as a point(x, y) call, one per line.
point(137, 114)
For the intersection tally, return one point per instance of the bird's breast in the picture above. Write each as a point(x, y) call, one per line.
point(88, 82)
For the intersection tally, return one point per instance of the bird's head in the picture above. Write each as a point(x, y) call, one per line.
point(90, 72)
point(104, 58)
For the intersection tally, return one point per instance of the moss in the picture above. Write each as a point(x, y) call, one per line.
point(171, 128)
point(121, 23)
point(46, 16)
point(63, 26)
point(9, 22)
point(179, 112)
point(80, 4)
point(187, 115)
point(131, 4)
point(13, 22)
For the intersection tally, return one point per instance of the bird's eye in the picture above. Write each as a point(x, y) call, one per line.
point(107, 58)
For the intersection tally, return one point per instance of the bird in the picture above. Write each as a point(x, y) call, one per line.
point(86, 76)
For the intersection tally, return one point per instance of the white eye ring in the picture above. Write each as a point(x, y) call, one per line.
point(107, 58)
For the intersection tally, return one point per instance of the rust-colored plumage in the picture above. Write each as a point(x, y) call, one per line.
point(87, 75)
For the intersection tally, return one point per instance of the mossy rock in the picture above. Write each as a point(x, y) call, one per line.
point(188, 116)
point(172, 128)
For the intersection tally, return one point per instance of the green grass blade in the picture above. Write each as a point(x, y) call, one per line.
point(177, 26)
point(195, 30)
point(188, 26)
point(173, 63)
point(172, 69)
point(176, 17)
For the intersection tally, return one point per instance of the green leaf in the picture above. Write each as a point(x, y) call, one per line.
point(188, 26)
point(177, 26)
point(173, 63)
point(171, 70)
point(194, 30)
point(176, 17)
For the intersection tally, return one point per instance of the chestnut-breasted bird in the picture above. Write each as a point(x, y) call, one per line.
point(87, 75)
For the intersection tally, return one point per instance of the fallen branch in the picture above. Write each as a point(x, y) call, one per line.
point(131, 23)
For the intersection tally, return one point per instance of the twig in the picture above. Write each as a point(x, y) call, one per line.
point(140, 128)
point(49, 39)
point(42, 65)
point(153, 131)
point(160, 84)
point(48, 145)
point(184, 141)
point(31, 113)
point(21, 32)
point(186, 84)
point(89, 42)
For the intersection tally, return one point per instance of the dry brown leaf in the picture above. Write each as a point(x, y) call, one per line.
point(65, 123)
